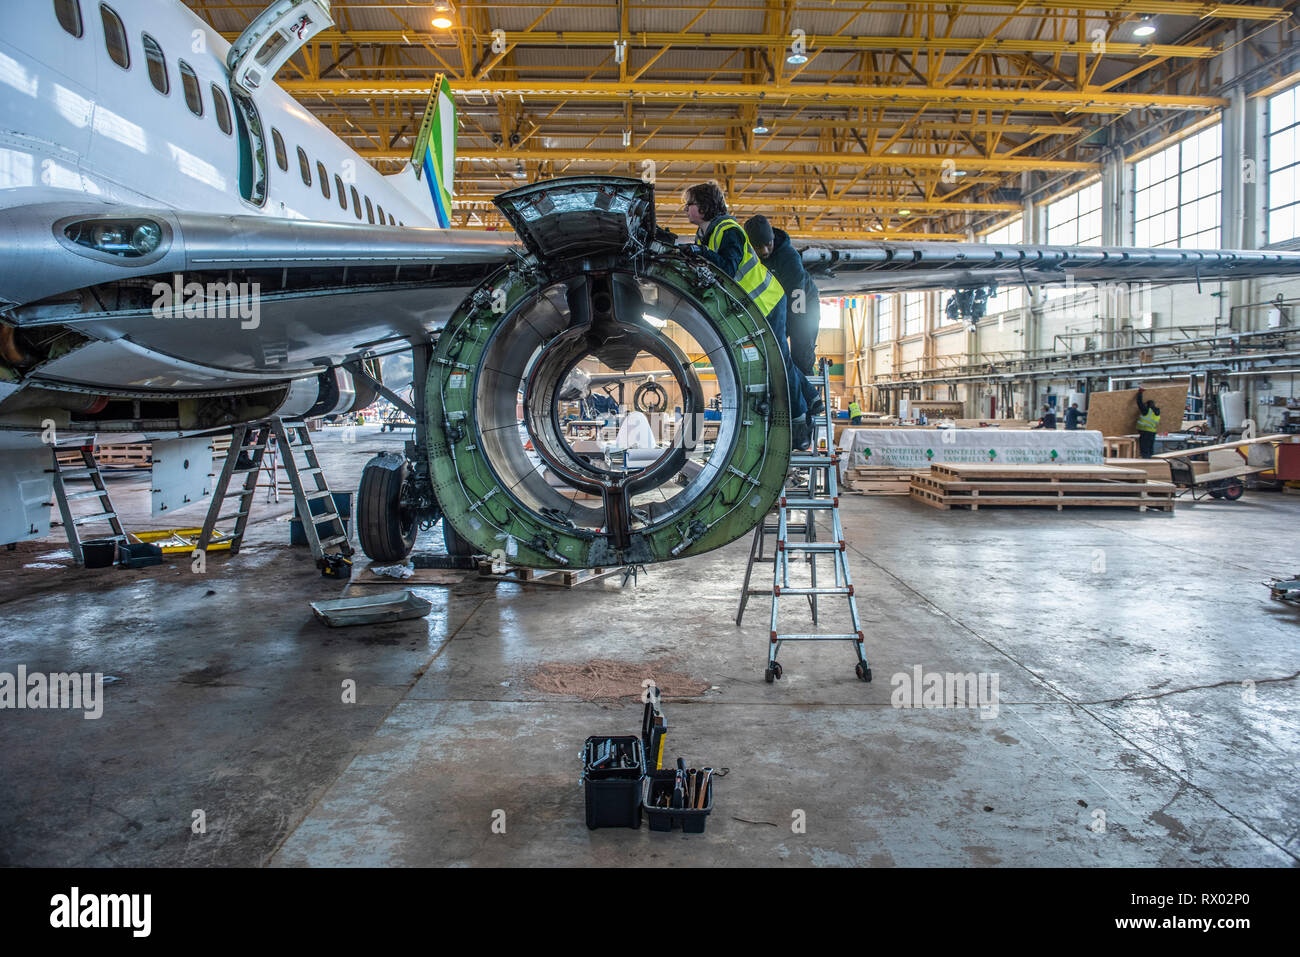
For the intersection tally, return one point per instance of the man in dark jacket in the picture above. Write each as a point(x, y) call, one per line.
point(1048, 421)
point(802, 314)
point(1072, 417)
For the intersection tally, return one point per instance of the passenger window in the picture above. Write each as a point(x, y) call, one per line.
point(304, 166)
point(190, 84)
point(324, 179)
point(69, 14)
point(391, 221)
point(222, 109)
point(356, 204)
point(115, 37)
point(382, 221)
point(370, 211)
point(281, 157)
point(338, 188)
point(156, 63)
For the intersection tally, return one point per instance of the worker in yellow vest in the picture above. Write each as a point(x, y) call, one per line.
point(723, 242)
point(1148, 424)
point(855, 413)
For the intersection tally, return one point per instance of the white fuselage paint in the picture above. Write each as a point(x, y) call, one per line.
point(73, 122)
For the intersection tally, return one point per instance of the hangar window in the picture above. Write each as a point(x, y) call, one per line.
point(1178, 193)
point(370, 210)
point(304, 166)
point(324, 179)
point(913, 312)
point(1284, 165)
point(281, 157)
point(69, 14)
point(1010, 296)
point(156, 63)
point(1075, 220)
point(190, 84)
point(222, 109)
point(115, 37)
point(356, 202)
point(884, 317)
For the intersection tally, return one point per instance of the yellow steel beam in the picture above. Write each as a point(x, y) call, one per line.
point(1180, 8)
point(767, 158)
point(765, 201)
point(570, 39)
point(693, 90)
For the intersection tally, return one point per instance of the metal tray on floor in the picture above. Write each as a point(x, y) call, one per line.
point(371, 609)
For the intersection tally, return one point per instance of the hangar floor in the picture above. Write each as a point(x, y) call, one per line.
point(1124, 734)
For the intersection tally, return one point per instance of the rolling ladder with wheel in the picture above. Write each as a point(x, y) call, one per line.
point(248, 445)
point(72, 522)
point(820, 495)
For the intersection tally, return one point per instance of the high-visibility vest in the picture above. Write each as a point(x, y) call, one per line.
point(1149, 421)
point(753, 276)
point(855, 410)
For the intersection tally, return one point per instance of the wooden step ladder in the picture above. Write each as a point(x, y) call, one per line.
point(72, 522)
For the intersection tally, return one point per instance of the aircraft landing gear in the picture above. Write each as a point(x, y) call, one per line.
point(385, 529)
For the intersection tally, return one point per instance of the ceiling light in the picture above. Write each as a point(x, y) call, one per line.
point(442, 8)
point(796, 59)
point(759, 126)
point(442, 23)
point(1145, 27)
point(904, 212)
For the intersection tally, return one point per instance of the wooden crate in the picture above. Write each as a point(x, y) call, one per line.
point(1120, 446)
point(1056, 486)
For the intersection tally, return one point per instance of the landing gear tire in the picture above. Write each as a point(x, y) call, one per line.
point(385, 531)
point(863, 671)
point(772, 672)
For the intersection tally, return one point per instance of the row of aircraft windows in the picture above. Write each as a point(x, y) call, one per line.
point(68, 13)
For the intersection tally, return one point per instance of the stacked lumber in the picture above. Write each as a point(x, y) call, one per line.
point(970, 486)
point(883, 479)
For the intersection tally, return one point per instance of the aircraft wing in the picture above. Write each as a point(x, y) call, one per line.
point(854, 266)
point(324, 292)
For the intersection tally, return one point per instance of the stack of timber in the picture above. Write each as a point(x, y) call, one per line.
point(970, 486)
point(884, 480)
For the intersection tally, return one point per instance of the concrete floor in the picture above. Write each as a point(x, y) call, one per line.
point(1123, 734)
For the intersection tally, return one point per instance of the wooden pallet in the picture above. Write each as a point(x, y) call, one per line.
point(883, 480)
point(1055, 486)
point(553, 577)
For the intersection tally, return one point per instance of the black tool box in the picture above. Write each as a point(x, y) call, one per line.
point(691, 820)
point(612, 771)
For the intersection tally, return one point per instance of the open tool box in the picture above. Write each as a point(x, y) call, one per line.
point(623, 779)
point(676, 787)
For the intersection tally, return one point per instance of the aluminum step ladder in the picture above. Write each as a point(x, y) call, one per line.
point(72, 522)
point(820, 495)
point(249, 444)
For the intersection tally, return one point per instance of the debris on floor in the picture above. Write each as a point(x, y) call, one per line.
point(605, 679)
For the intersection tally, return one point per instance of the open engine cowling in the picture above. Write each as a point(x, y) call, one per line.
point(595, 270)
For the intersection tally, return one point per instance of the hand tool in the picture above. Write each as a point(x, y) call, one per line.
point(702, 795)
point(690, 787)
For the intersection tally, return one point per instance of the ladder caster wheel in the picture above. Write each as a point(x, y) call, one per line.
point(863, 671)
point(769, 675)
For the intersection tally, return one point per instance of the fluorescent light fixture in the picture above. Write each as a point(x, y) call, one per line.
point(759, 126)
point(1145, 27)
